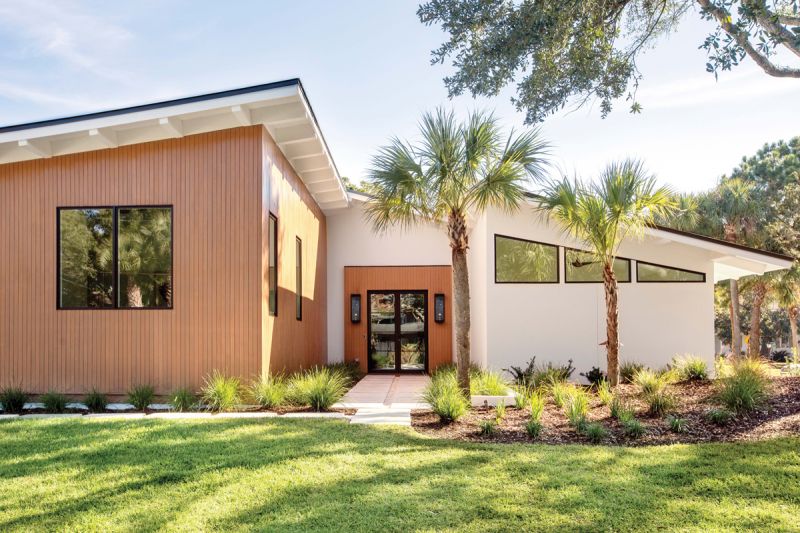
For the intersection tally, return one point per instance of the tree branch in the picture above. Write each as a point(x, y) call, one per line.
point(724, 19)
point(768, 20)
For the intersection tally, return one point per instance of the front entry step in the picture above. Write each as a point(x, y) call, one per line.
point(388, 415)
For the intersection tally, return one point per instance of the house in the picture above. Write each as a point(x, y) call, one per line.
point(156, 243)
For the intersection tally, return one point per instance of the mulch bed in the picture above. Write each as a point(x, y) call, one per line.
point(778, 417)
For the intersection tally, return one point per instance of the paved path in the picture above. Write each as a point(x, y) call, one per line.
point(385, 398)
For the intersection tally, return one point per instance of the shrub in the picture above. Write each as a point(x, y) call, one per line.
point(690, 368)
point(744, 386)
point(628, 369)
point(350, 370)
point(54, 402)
point(220, 392)
point(649, 381)
point(560, 392)
point(719, 417)
point(487, 382)
point(659, 402)
point(781, 356)
point(141, 396)
point(270, 391)
point(595, 432)
point(633, 428)
point(537, 406)
point(487, 427)
point(533, 428)
point(594, 376)
point(577, 407)
point(535, 376)
point(604, 392)
point(677, 424)
point(96, 401)
point(500, 412)
point(183, 400)
point(318, 387)
point(445, 397)
point(13, 399)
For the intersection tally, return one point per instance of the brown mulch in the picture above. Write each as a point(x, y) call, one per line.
point(778, 417)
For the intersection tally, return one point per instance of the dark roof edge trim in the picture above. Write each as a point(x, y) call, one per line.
point(157, 105)
point(705, 238)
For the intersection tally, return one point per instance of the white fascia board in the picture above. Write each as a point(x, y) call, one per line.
point(149, 115)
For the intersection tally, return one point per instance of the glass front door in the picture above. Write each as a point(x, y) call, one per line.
point(398, 331)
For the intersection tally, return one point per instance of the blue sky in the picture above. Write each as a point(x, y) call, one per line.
point(366, 68)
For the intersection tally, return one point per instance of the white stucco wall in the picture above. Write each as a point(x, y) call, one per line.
point(558, 322)
point(351, 241)
point(555, 322)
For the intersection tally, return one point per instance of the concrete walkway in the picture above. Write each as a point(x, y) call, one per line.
point(386, 398)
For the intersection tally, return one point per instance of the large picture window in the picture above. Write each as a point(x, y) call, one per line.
point(521, 261)
point(584, 267)
point(652, 273)
point(273, 265)
point(115, 257)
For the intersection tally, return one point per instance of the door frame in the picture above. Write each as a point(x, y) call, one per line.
point(397, 369)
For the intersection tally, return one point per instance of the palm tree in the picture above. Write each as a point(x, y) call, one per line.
point(454, 171)
point(787, 295)
point(734, 206)
point(622, 203)
point(782, 287)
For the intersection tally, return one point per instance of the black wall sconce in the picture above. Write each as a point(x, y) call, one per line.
point(355, 308)
point(438, 308)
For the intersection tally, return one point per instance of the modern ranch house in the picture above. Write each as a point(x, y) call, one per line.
point(157, 243)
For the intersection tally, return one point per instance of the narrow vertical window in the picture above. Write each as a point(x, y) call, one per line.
point(144, 257)
point(86, 258)
point(298, 298)
point(273, 265)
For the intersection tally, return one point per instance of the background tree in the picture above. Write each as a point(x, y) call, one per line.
point(622, 203)
point(455, 170)
point(787, 295)
point(555, 51)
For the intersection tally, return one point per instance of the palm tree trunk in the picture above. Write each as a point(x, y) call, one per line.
point(736, 330)
point(793, 312)
point(457, 232)
point(612, 323)
point(754, 350)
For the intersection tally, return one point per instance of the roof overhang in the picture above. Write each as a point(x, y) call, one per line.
point(281, 107)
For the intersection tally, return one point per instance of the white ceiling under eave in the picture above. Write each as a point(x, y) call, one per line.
point(284, 111)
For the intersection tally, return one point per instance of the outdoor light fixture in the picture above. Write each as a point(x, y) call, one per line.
point(355, 308)
point(438, 308)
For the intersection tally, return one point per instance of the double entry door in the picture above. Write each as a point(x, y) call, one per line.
point(398, 331)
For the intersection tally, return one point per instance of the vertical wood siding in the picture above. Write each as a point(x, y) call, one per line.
point(289, 344)
point(214, 182)
point(434, 279)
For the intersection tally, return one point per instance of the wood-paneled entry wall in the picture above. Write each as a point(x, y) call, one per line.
point(434, 279)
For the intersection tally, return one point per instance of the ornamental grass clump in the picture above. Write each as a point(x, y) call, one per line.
point(96, 401)
point(633, 428)
point(604, 392)
point(560, 392)
point(13, 399)
point(628, 369)
point(318, 388)
point(54, 402)
point(677, 424)
point(534, 424)
point(487, 428)
point(445, 397)
point(487, 383)
point(220, 392)
point(576, 407)
point(141, 396)
point(690, 368)
point(743, 386)
point(595, 432)
point(182, 400)
point(500, 412)
point(270, 391)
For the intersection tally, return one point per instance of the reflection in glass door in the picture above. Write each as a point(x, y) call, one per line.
point(398, 331)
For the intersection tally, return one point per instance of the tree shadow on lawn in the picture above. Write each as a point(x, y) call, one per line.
point(327, 475)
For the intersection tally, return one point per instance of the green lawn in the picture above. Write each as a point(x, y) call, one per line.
point(300, 475)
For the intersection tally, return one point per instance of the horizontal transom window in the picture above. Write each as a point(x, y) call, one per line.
point(652, 273)
point(585, 267)
point(115, 257)
point(522, 261)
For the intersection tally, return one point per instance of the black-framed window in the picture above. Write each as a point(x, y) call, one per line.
point(273, 264)
point(583, 267)
point(114, 257)
point(522, 261)
point(298, 298)
point(654, 273)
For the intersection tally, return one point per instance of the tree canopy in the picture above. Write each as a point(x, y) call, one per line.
point(584, 49)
